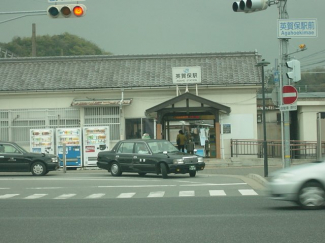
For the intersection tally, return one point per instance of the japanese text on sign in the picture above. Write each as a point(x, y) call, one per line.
point(288, 107)
point(186, 75)
point(296, 28)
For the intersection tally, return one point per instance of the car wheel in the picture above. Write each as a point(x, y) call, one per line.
point(142, 174)
point(163, 170)
point(192, 173)
point(38, 169)
point(311, 196)
point(115, 169)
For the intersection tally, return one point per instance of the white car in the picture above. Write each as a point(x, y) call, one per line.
point(303, 184)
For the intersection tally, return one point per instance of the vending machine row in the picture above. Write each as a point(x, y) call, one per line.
point(81, 147)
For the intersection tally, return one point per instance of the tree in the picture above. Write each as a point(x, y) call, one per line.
point(312, 81)
point(56, 45)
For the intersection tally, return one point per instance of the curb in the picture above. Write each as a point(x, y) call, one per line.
point(259, 179)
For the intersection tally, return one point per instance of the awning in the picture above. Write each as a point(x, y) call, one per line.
point(101, 102)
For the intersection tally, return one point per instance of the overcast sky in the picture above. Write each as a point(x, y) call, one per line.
point(130, 27)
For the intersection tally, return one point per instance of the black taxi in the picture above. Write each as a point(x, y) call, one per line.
point(14, 158)
point(144, 156)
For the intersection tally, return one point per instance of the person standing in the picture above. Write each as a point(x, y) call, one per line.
point(180, 140)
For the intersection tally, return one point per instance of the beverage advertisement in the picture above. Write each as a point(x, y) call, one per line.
point(42, 141)
point(95, 139)
point(72, 138)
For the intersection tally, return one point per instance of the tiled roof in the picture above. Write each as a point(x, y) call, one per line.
point(94, 72)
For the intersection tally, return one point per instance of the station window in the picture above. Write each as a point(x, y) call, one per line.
point(135, 128)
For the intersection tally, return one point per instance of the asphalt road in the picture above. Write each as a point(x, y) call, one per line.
point(196, 219)
point(207, 208)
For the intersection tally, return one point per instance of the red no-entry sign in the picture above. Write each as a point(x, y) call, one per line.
point(289, 94)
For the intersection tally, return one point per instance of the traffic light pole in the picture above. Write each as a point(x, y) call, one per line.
point(285, 118)
point(27, 13)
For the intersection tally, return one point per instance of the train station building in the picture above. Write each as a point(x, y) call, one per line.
point(212, 97)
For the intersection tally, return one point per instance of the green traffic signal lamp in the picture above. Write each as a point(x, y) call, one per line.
point(53, 11)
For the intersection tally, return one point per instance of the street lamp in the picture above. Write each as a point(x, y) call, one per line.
point(262, 64)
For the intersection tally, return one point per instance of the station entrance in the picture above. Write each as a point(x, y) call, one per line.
point(196, 116)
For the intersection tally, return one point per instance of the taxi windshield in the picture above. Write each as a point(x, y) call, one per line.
point(161, 146)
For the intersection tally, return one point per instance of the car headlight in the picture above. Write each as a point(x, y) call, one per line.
point(178, 161)
point(283, 177)
point(54, 160)
point(200, 159)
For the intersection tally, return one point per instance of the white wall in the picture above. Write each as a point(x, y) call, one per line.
point(307, 116)
point(242, 102)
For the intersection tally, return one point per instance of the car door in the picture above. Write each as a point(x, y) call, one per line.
point(143, 160)
point(124, 155)
point(12, 159)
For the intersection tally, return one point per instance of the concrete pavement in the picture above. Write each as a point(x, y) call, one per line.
point(250, 167)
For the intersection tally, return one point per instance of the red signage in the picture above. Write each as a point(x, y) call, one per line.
point(289, 94)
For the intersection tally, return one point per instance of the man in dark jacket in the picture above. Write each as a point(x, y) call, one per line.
point(180, 140)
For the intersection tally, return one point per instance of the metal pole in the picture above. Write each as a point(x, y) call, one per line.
point(264, 128)
point(285, 124)
point(262, 64)
point(319, 143)
point(64, 158)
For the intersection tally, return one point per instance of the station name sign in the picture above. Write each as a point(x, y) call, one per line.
point(297, 28)
point(186, 75)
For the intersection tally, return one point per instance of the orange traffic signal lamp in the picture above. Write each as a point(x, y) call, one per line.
point(66, 11)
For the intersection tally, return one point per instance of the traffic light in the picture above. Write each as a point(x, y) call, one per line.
point(66, 11)
point(295, 73)
point(250, 6)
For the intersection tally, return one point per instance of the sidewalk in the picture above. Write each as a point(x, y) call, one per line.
point(250, 167)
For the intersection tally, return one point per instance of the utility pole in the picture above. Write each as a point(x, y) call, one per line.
point(251, 6)
point(285, 115)
point(34, 40)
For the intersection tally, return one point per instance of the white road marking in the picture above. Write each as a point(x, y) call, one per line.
point(156, 194)
point(247, 192)
point(4, 188)
point(139, 186)
point(8, 196)
point(210, 184)
point(217, 193)
point(126, 195)
point(186, 193)
point(65, 196)
point(97, 195)
point(41, 188)
point(34, 196)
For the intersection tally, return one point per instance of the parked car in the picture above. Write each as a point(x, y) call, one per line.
point(14, 158)
point(148, 156)
point(303, 184)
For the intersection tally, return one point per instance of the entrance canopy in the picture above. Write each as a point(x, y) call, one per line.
point(187, 106)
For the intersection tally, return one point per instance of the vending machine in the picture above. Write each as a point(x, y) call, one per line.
point(95, 139)
point(72, 138)
point(42, 141)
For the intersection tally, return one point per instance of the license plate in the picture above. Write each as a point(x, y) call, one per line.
point(192, 167)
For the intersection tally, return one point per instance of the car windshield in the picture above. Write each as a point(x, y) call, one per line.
point(161, 146)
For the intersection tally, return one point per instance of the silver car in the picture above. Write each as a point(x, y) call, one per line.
point(303, 184)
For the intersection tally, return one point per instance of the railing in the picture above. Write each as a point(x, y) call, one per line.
point(298, 149)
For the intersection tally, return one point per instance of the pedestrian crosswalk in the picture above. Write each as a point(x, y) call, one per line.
point(153, 194)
